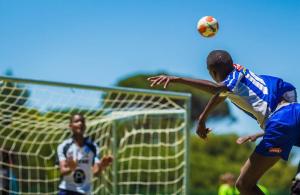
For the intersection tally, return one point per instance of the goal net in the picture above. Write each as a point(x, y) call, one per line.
point(146, 132)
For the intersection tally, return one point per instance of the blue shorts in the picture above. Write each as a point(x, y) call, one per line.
point(68, 192)
point(282, 132)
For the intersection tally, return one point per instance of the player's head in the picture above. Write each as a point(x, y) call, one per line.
point(219, 64)
point(77, 124)
point(227, 178)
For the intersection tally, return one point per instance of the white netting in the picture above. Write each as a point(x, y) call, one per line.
point(146, 133)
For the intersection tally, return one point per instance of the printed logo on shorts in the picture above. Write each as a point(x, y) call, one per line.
point(275, 150)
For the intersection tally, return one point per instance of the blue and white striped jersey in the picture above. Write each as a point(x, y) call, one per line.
point(80, 180)
point(257, 95)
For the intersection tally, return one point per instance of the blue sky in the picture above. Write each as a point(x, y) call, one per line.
point(100, 42)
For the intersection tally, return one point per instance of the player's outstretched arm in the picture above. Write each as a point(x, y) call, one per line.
point(105, 162)
point(203, 85)
point(202, 131)
point(249, 138)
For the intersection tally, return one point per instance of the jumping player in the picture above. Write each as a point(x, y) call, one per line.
point(269, 100)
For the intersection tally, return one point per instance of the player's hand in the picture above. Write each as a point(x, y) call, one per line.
point(243, 139)
point(248, 138)
point(161, 79)
point(106, 161)
point(202, 131)
point(72, 164)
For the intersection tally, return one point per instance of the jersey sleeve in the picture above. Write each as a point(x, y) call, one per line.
point(60, 154)
point(289, 92)
point(232, 80)
point(224, 190)
point(97, 155)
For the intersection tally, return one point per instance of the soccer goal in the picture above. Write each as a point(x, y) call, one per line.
point(146, 131)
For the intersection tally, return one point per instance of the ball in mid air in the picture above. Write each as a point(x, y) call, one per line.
point(208, 26)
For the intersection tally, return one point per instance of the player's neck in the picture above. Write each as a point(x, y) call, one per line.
point(79, 140)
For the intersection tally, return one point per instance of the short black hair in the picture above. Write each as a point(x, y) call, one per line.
point(76, 114)
point(219, 58)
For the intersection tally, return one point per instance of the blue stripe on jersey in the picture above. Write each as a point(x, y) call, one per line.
point(258, 96)
point(277, 87)
point(228, 79)
point(235, 80)
point(232, 80)
point(254, 88)
point(256, 82)
point(248, 72)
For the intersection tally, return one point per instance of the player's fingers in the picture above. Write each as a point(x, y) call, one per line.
point(204, 134)
point(208, 130)
point(69, 158)
point(155, 77)
point(161, 80)
point(239, 141)
point(201, 135)
point(151, 78)
point(109, 158)
point(107, 161)
point(242, 140)
point(155, 81)
point(167, 82)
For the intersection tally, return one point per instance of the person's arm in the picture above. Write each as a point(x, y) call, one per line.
point(100, 166)
point(248, 138)
point(67, 166)
point(202, 131)
point(204, 85)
